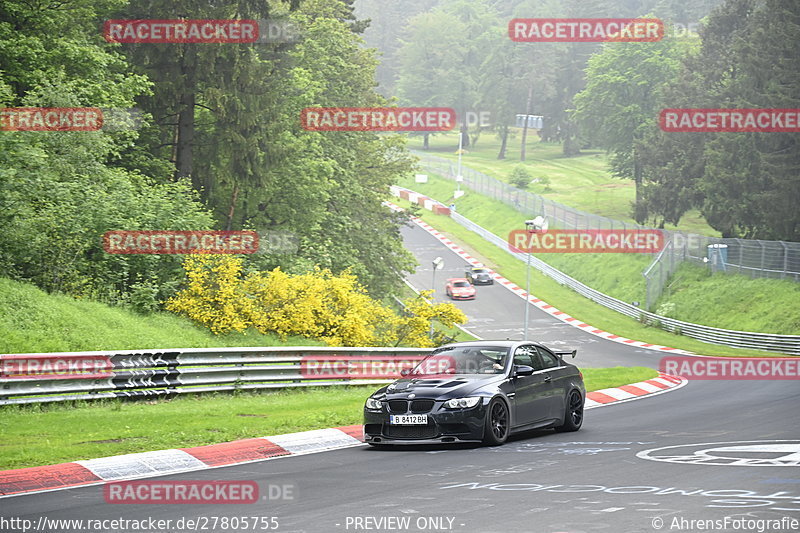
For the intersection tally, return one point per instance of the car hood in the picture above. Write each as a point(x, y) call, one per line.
point(451, 386)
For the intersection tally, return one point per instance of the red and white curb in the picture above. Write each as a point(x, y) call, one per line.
point(541, 304)
point(663, 383)
point(163, 462)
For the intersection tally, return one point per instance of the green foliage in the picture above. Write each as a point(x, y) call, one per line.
point(34, 321)
point(61, 198)
point(733, 301)
point(520, 177)
point(746, 184)
point(622, 99)
point(239, 140)
point(318, 304)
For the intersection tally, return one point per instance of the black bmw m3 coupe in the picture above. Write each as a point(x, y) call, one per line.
point(479, 391)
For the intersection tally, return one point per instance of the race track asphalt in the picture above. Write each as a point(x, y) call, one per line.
point(539, 482)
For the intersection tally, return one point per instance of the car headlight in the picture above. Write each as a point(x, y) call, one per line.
point(462, 403)
point(373, 404)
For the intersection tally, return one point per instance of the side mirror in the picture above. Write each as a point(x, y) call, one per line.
point(405, 372)
point(522, 370)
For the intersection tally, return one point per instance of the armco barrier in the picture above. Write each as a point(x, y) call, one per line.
point(50, 377)
point(755, 258)
point(788, 344)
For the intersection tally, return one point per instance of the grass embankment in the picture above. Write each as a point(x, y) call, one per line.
point(733, 301)
point(36, 435)
point(34, 321)
point(725, 301)
point(566, 299)
point(582, 181)
point(618, 275)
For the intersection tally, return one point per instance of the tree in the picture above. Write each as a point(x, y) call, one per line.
point(622, 100)
point(520, 177)
point(62, 190)
point(745, 184)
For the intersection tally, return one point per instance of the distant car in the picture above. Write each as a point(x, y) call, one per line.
point(478, 391)
point(479, 276)
point(459, 289)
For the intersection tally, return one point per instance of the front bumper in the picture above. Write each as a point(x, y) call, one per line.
point(444, 426)
point(462, 297)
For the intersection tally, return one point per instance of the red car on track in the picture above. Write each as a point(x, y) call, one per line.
point(459, 289)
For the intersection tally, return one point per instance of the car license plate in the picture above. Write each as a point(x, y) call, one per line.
point(408, 420)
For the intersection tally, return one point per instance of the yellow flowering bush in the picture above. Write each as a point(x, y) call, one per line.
point(413, 329)
point(318, 304)
point(214, 294)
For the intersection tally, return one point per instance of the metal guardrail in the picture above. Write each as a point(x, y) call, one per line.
point(788, 344)
point(51, 377)
point(755, 258)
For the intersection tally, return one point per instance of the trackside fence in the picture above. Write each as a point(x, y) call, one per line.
point(754, 258)
point(52, 377)
point(788, 344)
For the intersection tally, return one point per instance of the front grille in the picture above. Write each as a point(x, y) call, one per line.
point(398, 406)
point(410, 432)
point(421, 406)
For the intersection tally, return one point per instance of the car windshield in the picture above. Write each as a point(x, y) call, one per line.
point(462, 360)
point(480, 271)
point(460, 284)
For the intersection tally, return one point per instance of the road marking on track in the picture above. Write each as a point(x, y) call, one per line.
point(736, 453)
point(544, 306)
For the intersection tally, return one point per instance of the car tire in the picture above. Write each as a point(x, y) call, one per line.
point(496, 427)
point(573, 416)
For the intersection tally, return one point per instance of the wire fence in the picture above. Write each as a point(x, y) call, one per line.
point(788, 344)
point(754, 258)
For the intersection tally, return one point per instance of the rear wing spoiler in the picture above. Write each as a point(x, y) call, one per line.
point(563, 353)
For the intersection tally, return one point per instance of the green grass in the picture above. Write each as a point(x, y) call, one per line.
point(33, 435)
point(732, 301)
point(604, 378)
point(735, 302)
point(618, 275)
point(34, 321)
point(582, 181)
point(566, 299)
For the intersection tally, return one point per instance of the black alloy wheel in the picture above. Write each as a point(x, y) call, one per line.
point(496, 431)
